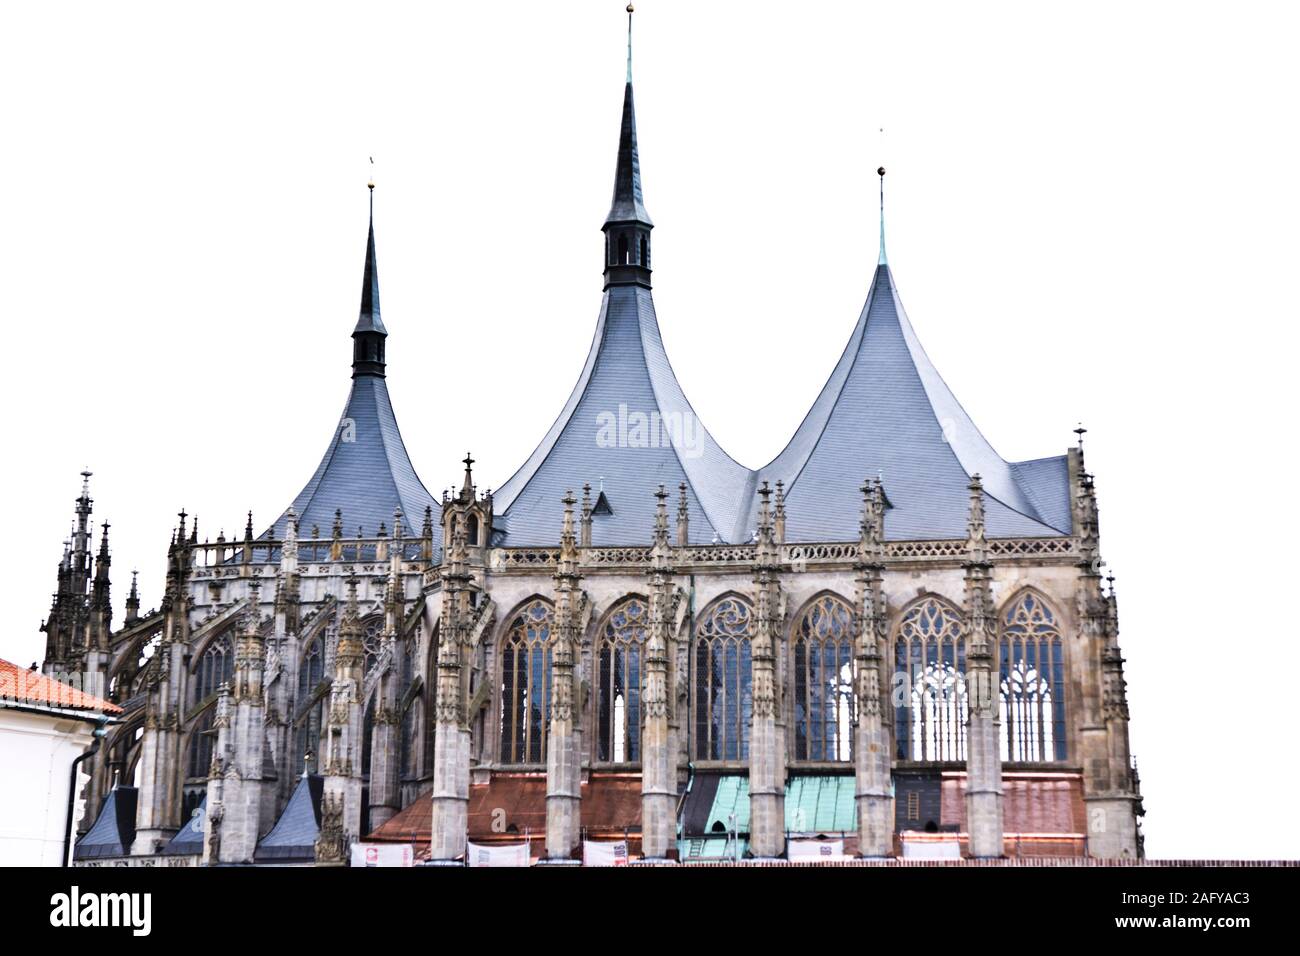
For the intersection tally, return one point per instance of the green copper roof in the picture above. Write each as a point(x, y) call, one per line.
point(814, 803)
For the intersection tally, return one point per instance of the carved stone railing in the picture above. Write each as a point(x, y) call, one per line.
point(801, 555)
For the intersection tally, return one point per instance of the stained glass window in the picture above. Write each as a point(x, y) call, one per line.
point(526, 684)
point(723, 674)
point(823, 681)
point(1032, 683)
point(930, 684)
point(618, 697)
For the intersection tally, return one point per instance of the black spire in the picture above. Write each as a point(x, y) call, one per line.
point(369, 335)
point(627, 227)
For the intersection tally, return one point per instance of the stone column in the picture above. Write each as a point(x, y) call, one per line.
point(983, 756)
point(341, 766)
point(215, 814)
point(766, 742)
point(451, 744)
point(282, 673)
point(871, 751)
point(658, 748)
point(244, 771)
point(158, 803)
point(563, 753)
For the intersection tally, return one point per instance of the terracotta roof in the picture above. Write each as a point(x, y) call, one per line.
point(611, 806)
point(19, 686)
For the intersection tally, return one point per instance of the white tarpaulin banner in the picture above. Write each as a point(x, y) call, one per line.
point(604, 854)
point(933, 848)
point(383, 854)
point(516, 854)
point(815, 850)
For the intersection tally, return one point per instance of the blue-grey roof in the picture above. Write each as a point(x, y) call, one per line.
point(365, 471)
point(886, 411)
point(625, 382)
point(294, 835)
point(188, 840)
point(114, 829)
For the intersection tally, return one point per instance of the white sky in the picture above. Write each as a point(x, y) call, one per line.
point(1092, 216)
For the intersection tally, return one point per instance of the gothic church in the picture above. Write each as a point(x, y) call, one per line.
point(888, 639)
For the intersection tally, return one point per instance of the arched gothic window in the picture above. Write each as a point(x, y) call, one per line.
point(622, 250)
point(723, 698)
point(216, 667)
point(526, 684)
point(930, 684)
point(311, 671)
point(823, 681)
point(618, 697)
point(1033, 683)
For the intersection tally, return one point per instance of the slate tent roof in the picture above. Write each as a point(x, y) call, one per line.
point(607, 427)
point(114, 829)
point(365, 470)
point(188, 840)
point(293, 838)
point(886, 411)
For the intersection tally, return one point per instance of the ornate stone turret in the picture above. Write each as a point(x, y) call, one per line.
point(246, 766)
point(133, 600)
point(563, 754)
point(871, 752)
point(1110, 787)
point(450, 792)
point(341, 763)
point(66, 629)
point(214, 818)
point(281, 678)
point(658, 748)
point(158, 807)
point(983, 756)
point(766, 742)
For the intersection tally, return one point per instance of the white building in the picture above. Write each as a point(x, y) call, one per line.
point(44, 727)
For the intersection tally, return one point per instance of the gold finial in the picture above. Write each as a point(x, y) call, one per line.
point(630, 8)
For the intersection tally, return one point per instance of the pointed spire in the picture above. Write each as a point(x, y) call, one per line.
point(467, 487)
point(369, 334)
point(628, 204)
point(585, 533)
point(661, 518)
point(883, 260)
point(627, 227)
point(683, 517)
point(133, 599)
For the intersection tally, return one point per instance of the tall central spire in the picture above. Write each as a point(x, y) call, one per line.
point(369, 335)
point(627, 227)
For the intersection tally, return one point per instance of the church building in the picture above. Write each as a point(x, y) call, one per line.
point(888, 640)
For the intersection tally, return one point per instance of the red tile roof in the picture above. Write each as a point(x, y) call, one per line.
point(514, 804)
point(21, 686)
